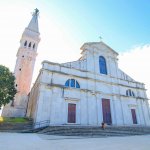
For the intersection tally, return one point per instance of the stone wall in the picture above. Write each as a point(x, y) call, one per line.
point(53, 96)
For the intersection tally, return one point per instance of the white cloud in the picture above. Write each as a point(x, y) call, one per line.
point(135, 63)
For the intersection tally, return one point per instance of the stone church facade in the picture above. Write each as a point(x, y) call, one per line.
point(88, 91)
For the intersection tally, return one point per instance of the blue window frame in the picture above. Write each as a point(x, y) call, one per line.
point(133, 94)
point(77, 85)
point(102, 65)
point(72, 83)
point(129, 92)
point(67, 83)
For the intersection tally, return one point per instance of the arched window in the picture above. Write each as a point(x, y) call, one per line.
point(33, 45)
point(72, 83)
point(77, 84)
point(133, 94)
point(102, 65)
point(25, 43)
point(67, 83)
point(29, 44)
point(129, 92)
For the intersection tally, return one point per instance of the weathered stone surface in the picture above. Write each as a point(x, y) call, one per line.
point(49, 97)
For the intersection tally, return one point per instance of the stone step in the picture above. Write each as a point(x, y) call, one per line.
point(97, 132)
point(94, 131)
point(32, 130)
point(91, 134)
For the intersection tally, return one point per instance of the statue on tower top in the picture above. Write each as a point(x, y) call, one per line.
point(36, 12)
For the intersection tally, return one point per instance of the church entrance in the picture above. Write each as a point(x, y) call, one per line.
point(134, 116)
point(106, 111)
point(71, 113)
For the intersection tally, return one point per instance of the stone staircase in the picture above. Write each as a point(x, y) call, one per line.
point(93, 131)
point(75, 130)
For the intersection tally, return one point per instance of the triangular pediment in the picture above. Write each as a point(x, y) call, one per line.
point(99, 46)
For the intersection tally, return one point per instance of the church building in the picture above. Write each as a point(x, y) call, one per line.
point(88, 91)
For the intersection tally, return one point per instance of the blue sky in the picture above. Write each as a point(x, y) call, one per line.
point(65, 25)
point(122, 23)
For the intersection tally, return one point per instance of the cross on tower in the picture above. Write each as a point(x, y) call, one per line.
point(36, 12)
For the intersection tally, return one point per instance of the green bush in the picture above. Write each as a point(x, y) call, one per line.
point(15, 120)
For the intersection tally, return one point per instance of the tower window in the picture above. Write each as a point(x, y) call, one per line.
point(20, 69)
point(29, 44)
point(16, 85)
point(22, 55)
point(25, 43)
point(33, 46)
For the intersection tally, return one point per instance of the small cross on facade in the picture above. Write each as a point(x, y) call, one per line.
point(100, 38)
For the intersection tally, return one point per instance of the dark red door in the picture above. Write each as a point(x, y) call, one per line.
point(106, 111)
point(71, 113)
point(134, 116)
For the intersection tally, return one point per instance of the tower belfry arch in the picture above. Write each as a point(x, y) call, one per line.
point(24, 67)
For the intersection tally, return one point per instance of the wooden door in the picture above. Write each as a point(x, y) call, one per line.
point(71, 113)
point(134, 116)
point(106, 111)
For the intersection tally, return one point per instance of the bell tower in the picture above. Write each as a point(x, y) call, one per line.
point(24, 67)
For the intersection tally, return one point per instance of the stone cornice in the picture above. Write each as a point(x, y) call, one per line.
point(88, 78)
point(91, 91)
point(84, 71)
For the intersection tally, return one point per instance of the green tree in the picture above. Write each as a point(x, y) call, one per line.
point(7, 86)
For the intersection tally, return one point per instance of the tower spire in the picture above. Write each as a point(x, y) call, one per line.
point(33, 25)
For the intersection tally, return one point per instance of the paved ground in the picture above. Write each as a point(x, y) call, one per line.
point(19, 141)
